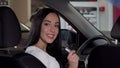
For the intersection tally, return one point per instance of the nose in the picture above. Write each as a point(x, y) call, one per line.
point(52, 29)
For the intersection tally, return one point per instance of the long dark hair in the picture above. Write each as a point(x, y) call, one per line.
point(54, 49)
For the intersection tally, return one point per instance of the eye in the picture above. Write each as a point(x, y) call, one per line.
point(57, 25)
point(46, 24)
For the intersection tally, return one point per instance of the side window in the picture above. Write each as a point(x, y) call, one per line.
point(71, 37)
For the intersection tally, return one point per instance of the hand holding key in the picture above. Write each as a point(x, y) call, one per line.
point(73, 58)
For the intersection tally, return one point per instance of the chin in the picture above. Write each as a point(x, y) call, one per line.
point(49, 42)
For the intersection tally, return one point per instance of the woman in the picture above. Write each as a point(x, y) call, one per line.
point(44, 40)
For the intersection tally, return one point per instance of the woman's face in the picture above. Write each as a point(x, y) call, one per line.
point(49, 28)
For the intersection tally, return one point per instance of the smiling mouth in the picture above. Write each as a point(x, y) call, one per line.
point(51, 36)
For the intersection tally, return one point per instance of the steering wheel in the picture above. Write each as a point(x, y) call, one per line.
point(80, 49)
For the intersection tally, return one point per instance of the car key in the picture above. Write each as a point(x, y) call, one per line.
point(67, 49)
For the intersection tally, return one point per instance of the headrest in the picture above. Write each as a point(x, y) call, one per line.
point(115, 33)
point(10, 30)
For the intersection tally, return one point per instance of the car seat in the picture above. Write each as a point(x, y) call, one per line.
point(115, 33)
point(10, 31)
point(104, 57)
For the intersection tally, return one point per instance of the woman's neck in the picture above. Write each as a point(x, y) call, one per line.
point(42, 45)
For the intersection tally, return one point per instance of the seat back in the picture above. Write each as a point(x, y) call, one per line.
point(104, 57)
point(115, 33)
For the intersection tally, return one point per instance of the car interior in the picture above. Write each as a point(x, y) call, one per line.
point(12, 53)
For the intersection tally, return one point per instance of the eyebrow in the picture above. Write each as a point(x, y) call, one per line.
point(50, 21)
point(46, 20)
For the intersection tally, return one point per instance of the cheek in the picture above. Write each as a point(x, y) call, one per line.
point(43, 31)
point(57, 31)
point(44, 28)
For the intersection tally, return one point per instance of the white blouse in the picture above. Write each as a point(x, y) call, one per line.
point(45, 58)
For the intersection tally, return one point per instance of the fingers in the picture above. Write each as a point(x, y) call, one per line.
point(73, 59)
